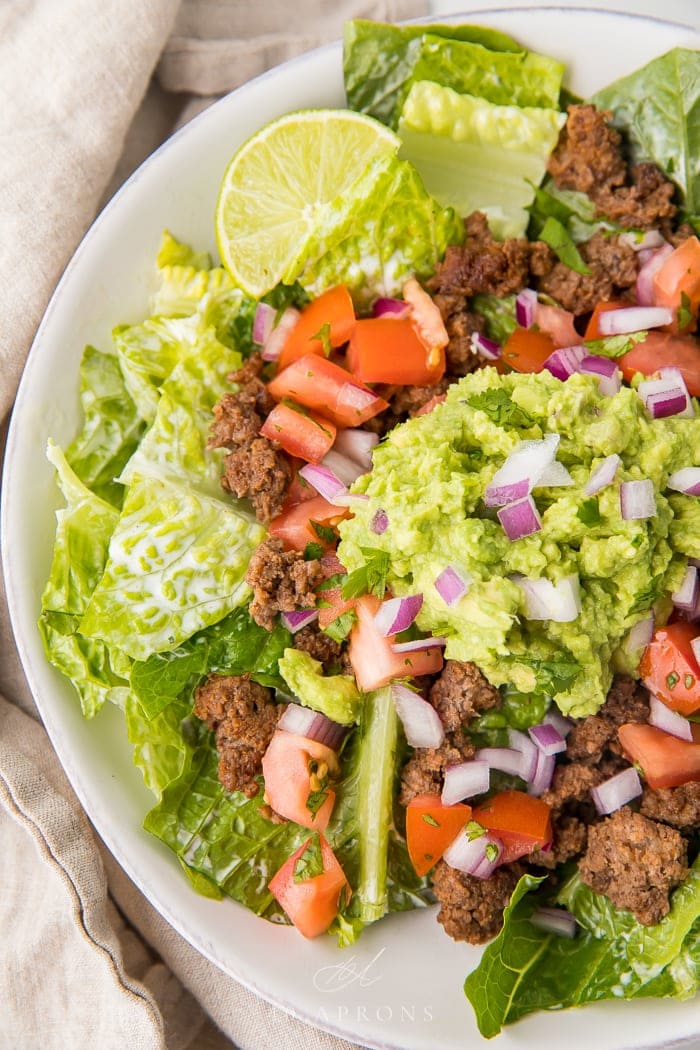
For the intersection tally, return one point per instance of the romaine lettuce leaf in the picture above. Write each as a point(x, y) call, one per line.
point(172, 252)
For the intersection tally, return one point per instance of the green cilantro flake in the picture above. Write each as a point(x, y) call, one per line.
point(672, 680)
point(324, 335)
point(370, 578)
point(589, 512)
point(310, 863)
point(689, 681)
point(340, 628)
point(501, 409)
point(684, 314)
point(474, 830)
point(324, 532)
point(430, 820)
point(491, 851)
point(312, 551)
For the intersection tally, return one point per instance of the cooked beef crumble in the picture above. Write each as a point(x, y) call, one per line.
point(281, 580)
point(424, 772)
point(678, 806)
point(471, 909)
point(613, 269)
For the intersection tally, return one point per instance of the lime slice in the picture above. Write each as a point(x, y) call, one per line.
point(278, 189)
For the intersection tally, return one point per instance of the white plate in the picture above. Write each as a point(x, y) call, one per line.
point(402, 985)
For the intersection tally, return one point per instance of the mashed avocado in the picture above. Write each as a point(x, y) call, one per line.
point(430, 475)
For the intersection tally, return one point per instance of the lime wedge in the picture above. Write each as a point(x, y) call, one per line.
point(278, 190)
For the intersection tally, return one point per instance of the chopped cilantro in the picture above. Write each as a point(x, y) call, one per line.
point(324, 335)
point(684, 314)
point(312, 551)
point(589, 512)
point(310, 863)
point(324, 532)
point(672, 680)
point(474, 830)
point(689, 681)
point(430, 820)
point(491, 851)
point(340, 628)
point(554, 676)
point(501, 409)
point(370, 578)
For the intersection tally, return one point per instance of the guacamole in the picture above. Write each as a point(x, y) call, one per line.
point(430, 476)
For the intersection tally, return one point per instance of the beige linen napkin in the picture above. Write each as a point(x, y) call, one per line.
point(85, 961)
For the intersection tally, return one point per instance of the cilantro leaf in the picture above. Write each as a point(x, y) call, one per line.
point(310, 863)
point(501, 409)
point(370, 578)
point(589, 512)
point(324, 336)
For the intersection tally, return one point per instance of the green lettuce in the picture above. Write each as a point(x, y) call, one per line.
point(335, 696)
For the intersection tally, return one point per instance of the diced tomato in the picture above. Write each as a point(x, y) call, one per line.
point(320, 384)
point(373, 660)
point(333, 605)
point(593, 327)
point(669, 668)
point(299, 490)
point(431, 404)
point(527, 349)
point(665, 760)
point(661, 349)
point(676, 285)
point(333, 308)
point(388, 350)
point(295, 770)
point(311, 903)
point(302, 434)
point(430, 828)
point(522, 822)
point(295, 524)
point(557, 323)
point(426, 319)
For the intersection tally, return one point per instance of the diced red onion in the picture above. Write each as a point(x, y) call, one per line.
point(542, 779)
point(278, 336)
point(471, 855)
point(667, 396)
point(379, 522)
point(695, 646)
point(554, 476)
point(647, 272)
point(420, 645)
point(606, 371)
point(686, 597)
point(554, 920)
point(397, 614)
point(520, 518)
point(356, 444)
point(671, 373)
point(525, 304)
point(263, 323)
point(388, 307)
point(561, 723)
point(507, 759)
point(617, 791)
point(298, 618)
point(565, 361)
point(640, 635)
point(419, 718)
point(465, 780)
point(686, 480)
point(544, 600)
point(355, 398)
point(521, 742)
point(345, 469)
point(648, 240)
point(633, 319)
point(516, 477)
point(670, 721)
point(484, 347)
point(325, 481)
point(452, 584)
point(603, 475)
point(637, 500)
point(304, 721)
point(547, 738)
point(351, 499)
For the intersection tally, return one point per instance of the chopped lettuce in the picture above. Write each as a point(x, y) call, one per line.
point(474, 155)
point(337, 696)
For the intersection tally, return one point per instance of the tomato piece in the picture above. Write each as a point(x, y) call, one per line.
point(289, 766)
point(557, 323)
point(669, 668)
point(593, 327)
point(334, 308)
point(522, 822)
point(302, 434)
point(430, 828)
point(334, 605)
point(311, 903)
point(665, 760)
point(661, 349)
point(426, 319)
point(373, 660)
point(320, 384)
point(431, 404)
point(295, 524)
point(389, 350)
point(676, 285)
point(527, 349)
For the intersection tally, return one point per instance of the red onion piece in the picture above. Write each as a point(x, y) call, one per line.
point(355, 398)
point(419, 718)
point(351, 499)
point(507, 759)
point(695, 646)
point(544, 600)
point(452, 584)
point(603, 475)
point(345, 469)
point(477, 856)
point(617, 791)
point(397, 614)
point(388, 307)
point(670, 721)
point(561, 723)
point(379, 522)
point(278, 336)
point(554, 920)
point(419, 645)
point(465, 780)
point(521, 742)
point(484, 347)
point(547, 738)
point(645, 277)
point(687, 480)
point(525, 305)
point(325, 481)
point(304, 721)
point(298, 618)
point(686, 597)
point(642, 241)
point(520, 518)
point(542, 779)
point(263, 323)
point(608, 374)
point(356, 444)
point(640, 635)
point(517, 476)
point(667, 396)
point(633, 319)
point(565, 361)
point(637, 500)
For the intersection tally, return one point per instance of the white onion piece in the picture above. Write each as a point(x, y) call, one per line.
point(617, 791)
point(565, 361)
point(544, 600)
point(542, 780)
point(687, 480)
point(521, 742)
point(520, 518)
point(397, 614)
point(637, 500)
point(633, 319)
point(606, 372)
point(603, 475)
point(357, 444)
point(642, 242)
point(554, 920)
point(554, 476)
point(484, 347)
point(465, 780)
point(547, 738)
point(298, 618)
point(304, 721)
point(419, 645)
point(670, 721)
point(640, 635)
point(507, 759)
point(344, 468)
point(325, 481)
point(686, 597)
point(477, 856)
point(561, 723)
point(452, 584)
point(525, 306)
point(516, 477)
point(420, 720)
point(645, 277)
point(263, 323)
point(278, 336)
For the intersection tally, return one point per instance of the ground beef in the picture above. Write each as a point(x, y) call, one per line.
point(568, 840)
point(243, 717)
point(320, 646)
point(424, 772)
point(460, 693)
point(281, 580)
point(679, 806)
point(460, 324)
point(635, 862)
point(572, 783)
point(472, 909)
point(613, 269)
point(627, 701)
point(409, 400)
point(254, 468)
point(646, 204)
